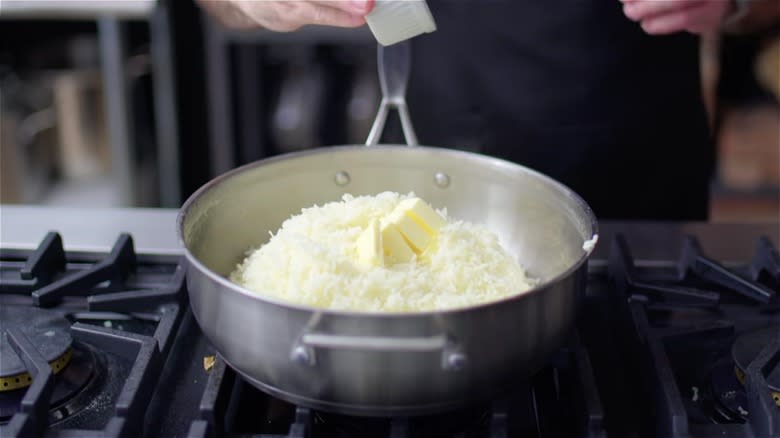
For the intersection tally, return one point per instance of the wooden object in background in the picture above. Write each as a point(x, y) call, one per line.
point(10, 182)
point(749, 148)
point(83, 146)
point(768, 67)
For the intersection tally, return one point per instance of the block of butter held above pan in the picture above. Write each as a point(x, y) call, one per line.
point(393, 21)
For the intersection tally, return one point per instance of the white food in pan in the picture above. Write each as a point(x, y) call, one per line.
point(313, 260)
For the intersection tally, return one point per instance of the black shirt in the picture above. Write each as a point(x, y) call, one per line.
point(575, 90)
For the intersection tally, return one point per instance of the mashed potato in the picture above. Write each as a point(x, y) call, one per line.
point(312, 260)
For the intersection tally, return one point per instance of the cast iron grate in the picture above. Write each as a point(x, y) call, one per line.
point(680, 328)
point(562, 400)
point(86, 288)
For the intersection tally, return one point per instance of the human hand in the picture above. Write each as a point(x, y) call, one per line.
point(289, 15)
point(659, 17)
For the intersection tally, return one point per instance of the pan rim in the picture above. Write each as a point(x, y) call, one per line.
point(487, 160)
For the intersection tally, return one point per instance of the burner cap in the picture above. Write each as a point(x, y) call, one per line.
point(47, 330)
point(747, 347)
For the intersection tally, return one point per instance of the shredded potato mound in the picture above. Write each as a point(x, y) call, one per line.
point(312, 260)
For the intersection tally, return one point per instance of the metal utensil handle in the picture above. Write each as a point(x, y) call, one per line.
point(452, 357)
point(394, 64)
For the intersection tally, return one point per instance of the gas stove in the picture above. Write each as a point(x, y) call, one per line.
point(679, 336)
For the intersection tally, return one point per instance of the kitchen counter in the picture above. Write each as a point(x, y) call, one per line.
point(90, 229)
point(76, 9)
point(154, 232)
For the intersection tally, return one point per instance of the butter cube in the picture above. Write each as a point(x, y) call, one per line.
point(369, 245)
point(423, 214)
point(395, 247)
point(417, 222)
point(414, 233)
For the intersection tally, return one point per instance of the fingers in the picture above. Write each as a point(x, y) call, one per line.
point(353, 7)
point(639, 10)
point(661, 17)
point(229, 14)
point(695, 20)
point(322, 13)
point(290, 15)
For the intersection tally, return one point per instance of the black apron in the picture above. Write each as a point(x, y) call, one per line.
point(572, 89)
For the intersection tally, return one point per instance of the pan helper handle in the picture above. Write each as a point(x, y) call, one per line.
point(394, 64)
point(452, 356)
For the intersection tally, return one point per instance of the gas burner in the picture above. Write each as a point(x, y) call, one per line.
point(47, 330)
point(745, 350)
point(730, 398)
point(84, 339)
point(74, 388)
point(76, 366)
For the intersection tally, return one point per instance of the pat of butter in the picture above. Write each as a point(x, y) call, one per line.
point(417, 222)
point(369, 245)
point(395, 248)
point(424, 214)
point(414, 233)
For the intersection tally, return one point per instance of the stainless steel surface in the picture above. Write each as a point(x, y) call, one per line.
point(303, 350)
point(168, 163)
point(541, 222)
point(442, 180)
point(342, 178)
point(115, 83)
point(221, 136)
point(154, 232)
point(654, 243)
point(90, 229)
point(452, 358)
point(76, 9)
point(394, 68)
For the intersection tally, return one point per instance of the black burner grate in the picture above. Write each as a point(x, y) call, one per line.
point(89, 289)
point(680, 332)
point(681, 348)
point(562, 400)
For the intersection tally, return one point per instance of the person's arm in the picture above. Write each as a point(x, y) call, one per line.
point(288, 15)
point(659, 17)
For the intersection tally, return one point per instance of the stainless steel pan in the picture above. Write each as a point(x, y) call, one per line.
point(382, 363)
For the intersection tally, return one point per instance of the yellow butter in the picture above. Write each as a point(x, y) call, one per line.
point(369, 245)
point(424, 214)
point(415, 233)
point(395, 248)
point(417, 222)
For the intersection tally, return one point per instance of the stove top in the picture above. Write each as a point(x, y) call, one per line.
point(701, 342)
point(85, 337)
point(102, 343)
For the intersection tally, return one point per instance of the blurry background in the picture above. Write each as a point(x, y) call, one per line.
point(139, 102)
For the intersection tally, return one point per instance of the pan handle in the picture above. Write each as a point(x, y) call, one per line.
point(394, 64)
point(452, 358)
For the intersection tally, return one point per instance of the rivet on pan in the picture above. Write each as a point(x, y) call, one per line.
point(342, 178)
point(302, 355)
point(442, 180)
point(456, 361)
